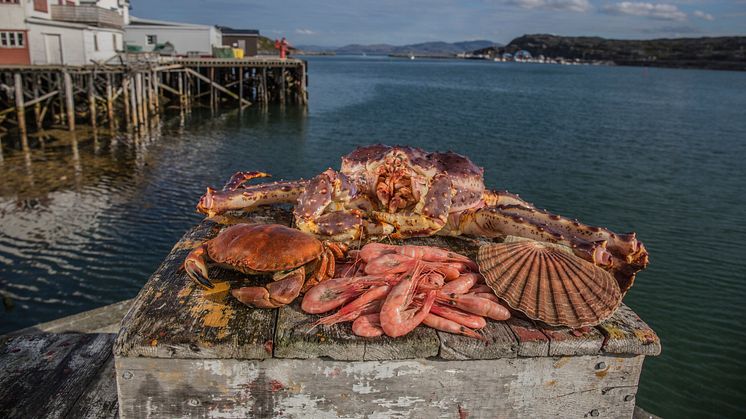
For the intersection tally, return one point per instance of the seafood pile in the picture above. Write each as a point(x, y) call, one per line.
point(567, 273)
point(389, 289)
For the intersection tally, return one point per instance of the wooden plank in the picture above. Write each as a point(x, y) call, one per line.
point(54, 368)
point(514, 387)
point(173, 317)
point(566, 341)
point(500, 343)
point(99, 400)
point(626, 333)
point(531, 341)
point(294, 339)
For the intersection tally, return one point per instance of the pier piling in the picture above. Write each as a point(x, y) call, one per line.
point(137, 89)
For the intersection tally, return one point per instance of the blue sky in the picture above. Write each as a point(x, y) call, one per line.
point(341, 22)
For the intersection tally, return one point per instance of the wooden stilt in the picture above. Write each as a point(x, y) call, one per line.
point(126, 99)
point(92, 100)
point(69, 101)
point(133, 103)
point(37, 105)
point(240, 87)
point(20, 109)
point(181, 90)
point(109, 102)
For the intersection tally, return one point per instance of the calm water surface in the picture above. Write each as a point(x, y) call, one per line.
point(83, 221)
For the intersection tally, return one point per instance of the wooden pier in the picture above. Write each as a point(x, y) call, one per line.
point(129, 93)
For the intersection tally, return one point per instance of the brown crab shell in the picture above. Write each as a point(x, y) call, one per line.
point(264, 247)
point(549, 284)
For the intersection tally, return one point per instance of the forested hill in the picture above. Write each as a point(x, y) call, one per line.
point(723, 53)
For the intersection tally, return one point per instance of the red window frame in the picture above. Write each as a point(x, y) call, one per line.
point(41, 6)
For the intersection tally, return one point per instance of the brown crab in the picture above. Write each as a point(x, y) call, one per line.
point(404, 191)
point(296, 260)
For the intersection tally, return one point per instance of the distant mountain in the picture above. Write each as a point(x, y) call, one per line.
point(723, 53)
point(424, 48)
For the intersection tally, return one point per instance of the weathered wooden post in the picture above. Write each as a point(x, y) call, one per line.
point(126, 98)
point(69, 100)
point(139, 98)
point(20, 110)
point(282, 84)
point(240, 87)
point(133, 102)
point(109, 102)
point(212, 88)
point(264, 85)
point(92, 100)
point(37, 105)
point(180, 82)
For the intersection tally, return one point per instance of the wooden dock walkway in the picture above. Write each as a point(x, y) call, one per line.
point(129, 92)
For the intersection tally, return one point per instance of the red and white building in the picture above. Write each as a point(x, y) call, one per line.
point(71, 32)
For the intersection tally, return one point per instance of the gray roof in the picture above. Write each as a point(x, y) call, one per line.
point(231, 31)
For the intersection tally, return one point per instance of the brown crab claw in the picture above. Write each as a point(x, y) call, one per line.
point(205, 202)
point(196, 268)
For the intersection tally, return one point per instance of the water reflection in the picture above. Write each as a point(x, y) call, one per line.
point(86, 216)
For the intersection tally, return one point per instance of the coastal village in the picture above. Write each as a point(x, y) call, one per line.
point(91, 60)
point(83, 32)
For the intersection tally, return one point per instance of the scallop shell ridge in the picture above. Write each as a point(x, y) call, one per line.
point(549, 284)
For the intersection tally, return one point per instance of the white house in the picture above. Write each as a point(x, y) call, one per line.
point(72, 32)
point(186, 38)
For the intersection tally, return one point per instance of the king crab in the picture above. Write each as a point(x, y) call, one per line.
point(407, 192)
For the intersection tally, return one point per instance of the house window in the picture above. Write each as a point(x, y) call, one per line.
point(12, 40)
point(9, 1)
point(95, 42)
point(152, 39)
point(40, 6)
point(114, 42)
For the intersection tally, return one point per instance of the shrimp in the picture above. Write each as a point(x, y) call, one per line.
point(445, 325)
point(352, 310)
point(488, 295)
point(372, 251)
point(431, 281)
point(389, 263)
point(476, 305)
point(480, 288)
point(461, 285)
point(368, 325)
point(396, 318)
point(458, 316)
point(335, 292)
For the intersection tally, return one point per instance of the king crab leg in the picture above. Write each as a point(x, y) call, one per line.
point(493, 222)
point(247, 198)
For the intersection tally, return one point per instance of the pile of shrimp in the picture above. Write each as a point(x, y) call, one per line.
point(388, 289)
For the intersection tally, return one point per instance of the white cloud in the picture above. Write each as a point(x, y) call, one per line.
point(702, 15)
point(305, 32)
point(653, 10)
point(563, 5)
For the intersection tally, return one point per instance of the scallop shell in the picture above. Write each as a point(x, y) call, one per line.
point(549, 284)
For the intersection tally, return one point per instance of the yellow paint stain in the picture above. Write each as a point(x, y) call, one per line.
point(219, 291)
point(184, 292)
point(614, 332)
point(562, 362)
point(551, 383)
point(214, 312)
